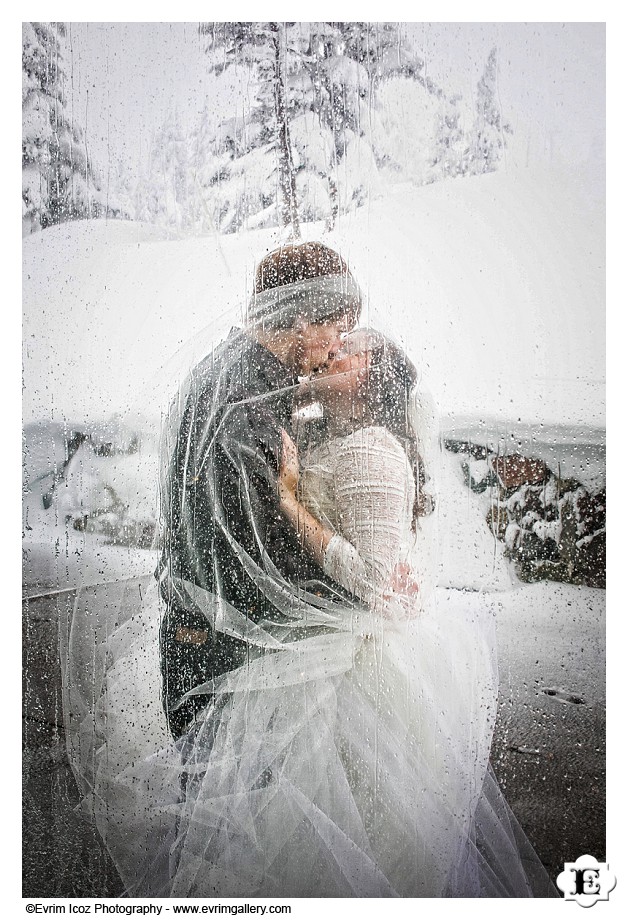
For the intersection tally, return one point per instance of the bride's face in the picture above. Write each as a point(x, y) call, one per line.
point(342, 382)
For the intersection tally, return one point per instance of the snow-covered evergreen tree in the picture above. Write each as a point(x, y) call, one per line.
point(121, 184)
point(166, 191)
point(59, 181)
point(487, 139)
point(308, 132)
point(430, 136)
point(253, 152)
point(327, 114)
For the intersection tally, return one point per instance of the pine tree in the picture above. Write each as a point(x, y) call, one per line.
point(121, 189)
point(334, 112)
point(254, 153)
point(487, 139)
point(59, 181)
point(450, 142)
point(165, 193)
point(307, 139)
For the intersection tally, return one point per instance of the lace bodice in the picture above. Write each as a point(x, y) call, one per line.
point(363, 487)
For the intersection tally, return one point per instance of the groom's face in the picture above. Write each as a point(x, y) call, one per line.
point(316, 344)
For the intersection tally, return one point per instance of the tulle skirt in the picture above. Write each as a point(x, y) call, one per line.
point(355, 765)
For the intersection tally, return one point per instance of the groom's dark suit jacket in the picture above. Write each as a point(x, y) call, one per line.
point(222, 490)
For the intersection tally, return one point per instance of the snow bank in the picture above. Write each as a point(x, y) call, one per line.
point(71, 537)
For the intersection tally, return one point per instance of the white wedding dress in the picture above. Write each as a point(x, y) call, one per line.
point(346, 760)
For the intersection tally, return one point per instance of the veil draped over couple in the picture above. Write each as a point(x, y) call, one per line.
point(287, 710)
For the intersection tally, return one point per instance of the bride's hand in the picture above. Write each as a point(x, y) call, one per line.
point(403, 589)
point(289, 466)
point(402, 581)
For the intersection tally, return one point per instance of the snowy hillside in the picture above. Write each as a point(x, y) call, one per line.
point(495, 284)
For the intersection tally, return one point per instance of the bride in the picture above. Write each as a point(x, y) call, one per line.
point(348, 756)
point(424, 681)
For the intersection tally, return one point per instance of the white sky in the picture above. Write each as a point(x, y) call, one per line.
point(126, 76)
point(551, 81)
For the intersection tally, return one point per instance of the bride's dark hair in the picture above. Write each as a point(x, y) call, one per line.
point(391, 379)
point(387, 392)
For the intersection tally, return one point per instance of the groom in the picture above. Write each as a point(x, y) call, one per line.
point(220, 506)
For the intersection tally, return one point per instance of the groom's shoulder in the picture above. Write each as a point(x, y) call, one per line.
point(222, 365)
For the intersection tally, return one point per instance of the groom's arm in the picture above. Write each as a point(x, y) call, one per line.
point(252, 441)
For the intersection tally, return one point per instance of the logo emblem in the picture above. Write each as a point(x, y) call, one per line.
point(586, 881)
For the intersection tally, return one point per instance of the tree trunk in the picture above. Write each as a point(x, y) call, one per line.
point(289, 211)
point(332, 191)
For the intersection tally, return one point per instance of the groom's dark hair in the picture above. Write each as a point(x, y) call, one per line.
point(298, 262)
